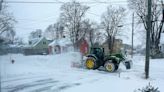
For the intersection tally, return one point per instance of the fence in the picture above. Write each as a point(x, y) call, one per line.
point(31, 51)
point(26, 51)
point(6, 50)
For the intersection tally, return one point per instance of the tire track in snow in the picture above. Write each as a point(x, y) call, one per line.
point(23, 78)
point(42, 89)
point(64, 86)
point(34, 84)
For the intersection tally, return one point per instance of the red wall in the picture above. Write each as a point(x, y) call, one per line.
point(84, 47)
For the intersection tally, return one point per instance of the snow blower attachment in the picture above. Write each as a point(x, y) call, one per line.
point(97, 58)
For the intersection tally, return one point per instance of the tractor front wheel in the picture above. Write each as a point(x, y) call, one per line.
point(109, 66)
point(91, 63)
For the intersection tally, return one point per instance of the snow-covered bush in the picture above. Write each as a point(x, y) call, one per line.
point(148, 88)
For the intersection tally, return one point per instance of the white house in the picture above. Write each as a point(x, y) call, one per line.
point(162, 43)
point(60, 46)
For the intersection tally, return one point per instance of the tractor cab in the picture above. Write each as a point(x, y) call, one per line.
point(98, 52)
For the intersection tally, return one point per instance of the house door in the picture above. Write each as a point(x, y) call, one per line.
point(57, 49)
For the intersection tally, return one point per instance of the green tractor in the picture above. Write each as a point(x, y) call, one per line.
point(97, 58)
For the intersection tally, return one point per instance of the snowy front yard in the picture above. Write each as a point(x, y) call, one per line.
point(53, 73)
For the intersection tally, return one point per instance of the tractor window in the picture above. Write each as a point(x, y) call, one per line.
point(99, 50)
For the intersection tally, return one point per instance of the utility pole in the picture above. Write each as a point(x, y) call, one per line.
point(1, 5)
point(0, 64)
point(148, 39)
point(132, 34)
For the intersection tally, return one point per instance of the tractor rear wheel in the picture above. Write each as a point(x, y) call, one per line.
point(91, 63)
point(110, 66)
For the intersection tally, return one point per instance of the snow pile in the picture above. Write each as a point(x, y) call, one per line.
point(36, 64)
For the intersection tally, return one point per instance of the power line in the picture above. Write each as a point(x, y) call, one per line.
point(57, 2)
point(34, 22)
point(26, 28)
point(29, 2)
point(49, 19)
point(60, 2)
point(97, 1)
point(38, 20)
point(126, 24)
point(94, 14)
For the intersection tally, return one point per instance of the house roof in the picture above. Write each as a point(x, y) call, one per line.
point(61, 42)
point(35, 41)
point(162, 38)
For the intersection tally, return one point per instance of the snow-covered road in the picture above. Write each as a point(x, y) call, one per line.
point(53, 73)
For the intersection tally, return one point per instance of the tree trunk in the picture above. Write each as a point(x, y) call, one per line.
point(110, 44)
point(155, 39)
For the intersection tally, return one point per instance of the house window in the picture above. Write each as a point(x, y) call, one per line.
point(44, 42)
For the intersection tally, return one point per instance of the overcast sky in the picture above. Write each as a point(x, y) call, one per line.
point(38, 16)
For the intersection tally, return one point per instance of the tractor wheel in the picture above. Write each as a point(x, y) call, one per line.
point(109, 66)
point(91, 63)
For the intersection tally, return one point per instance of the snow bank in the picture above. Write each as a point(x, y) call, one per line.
point(36, 63)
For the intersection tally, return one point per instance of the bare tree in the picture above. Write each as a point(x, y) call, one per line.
point(72, 13)
point(8, 36)
point(7, 22)
point(111, 19)
point(54, 31)
point(59, 29)
point(18, 41)
point(92, 32)
point(49, 33)
point(35, 34)
point(140, 8)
